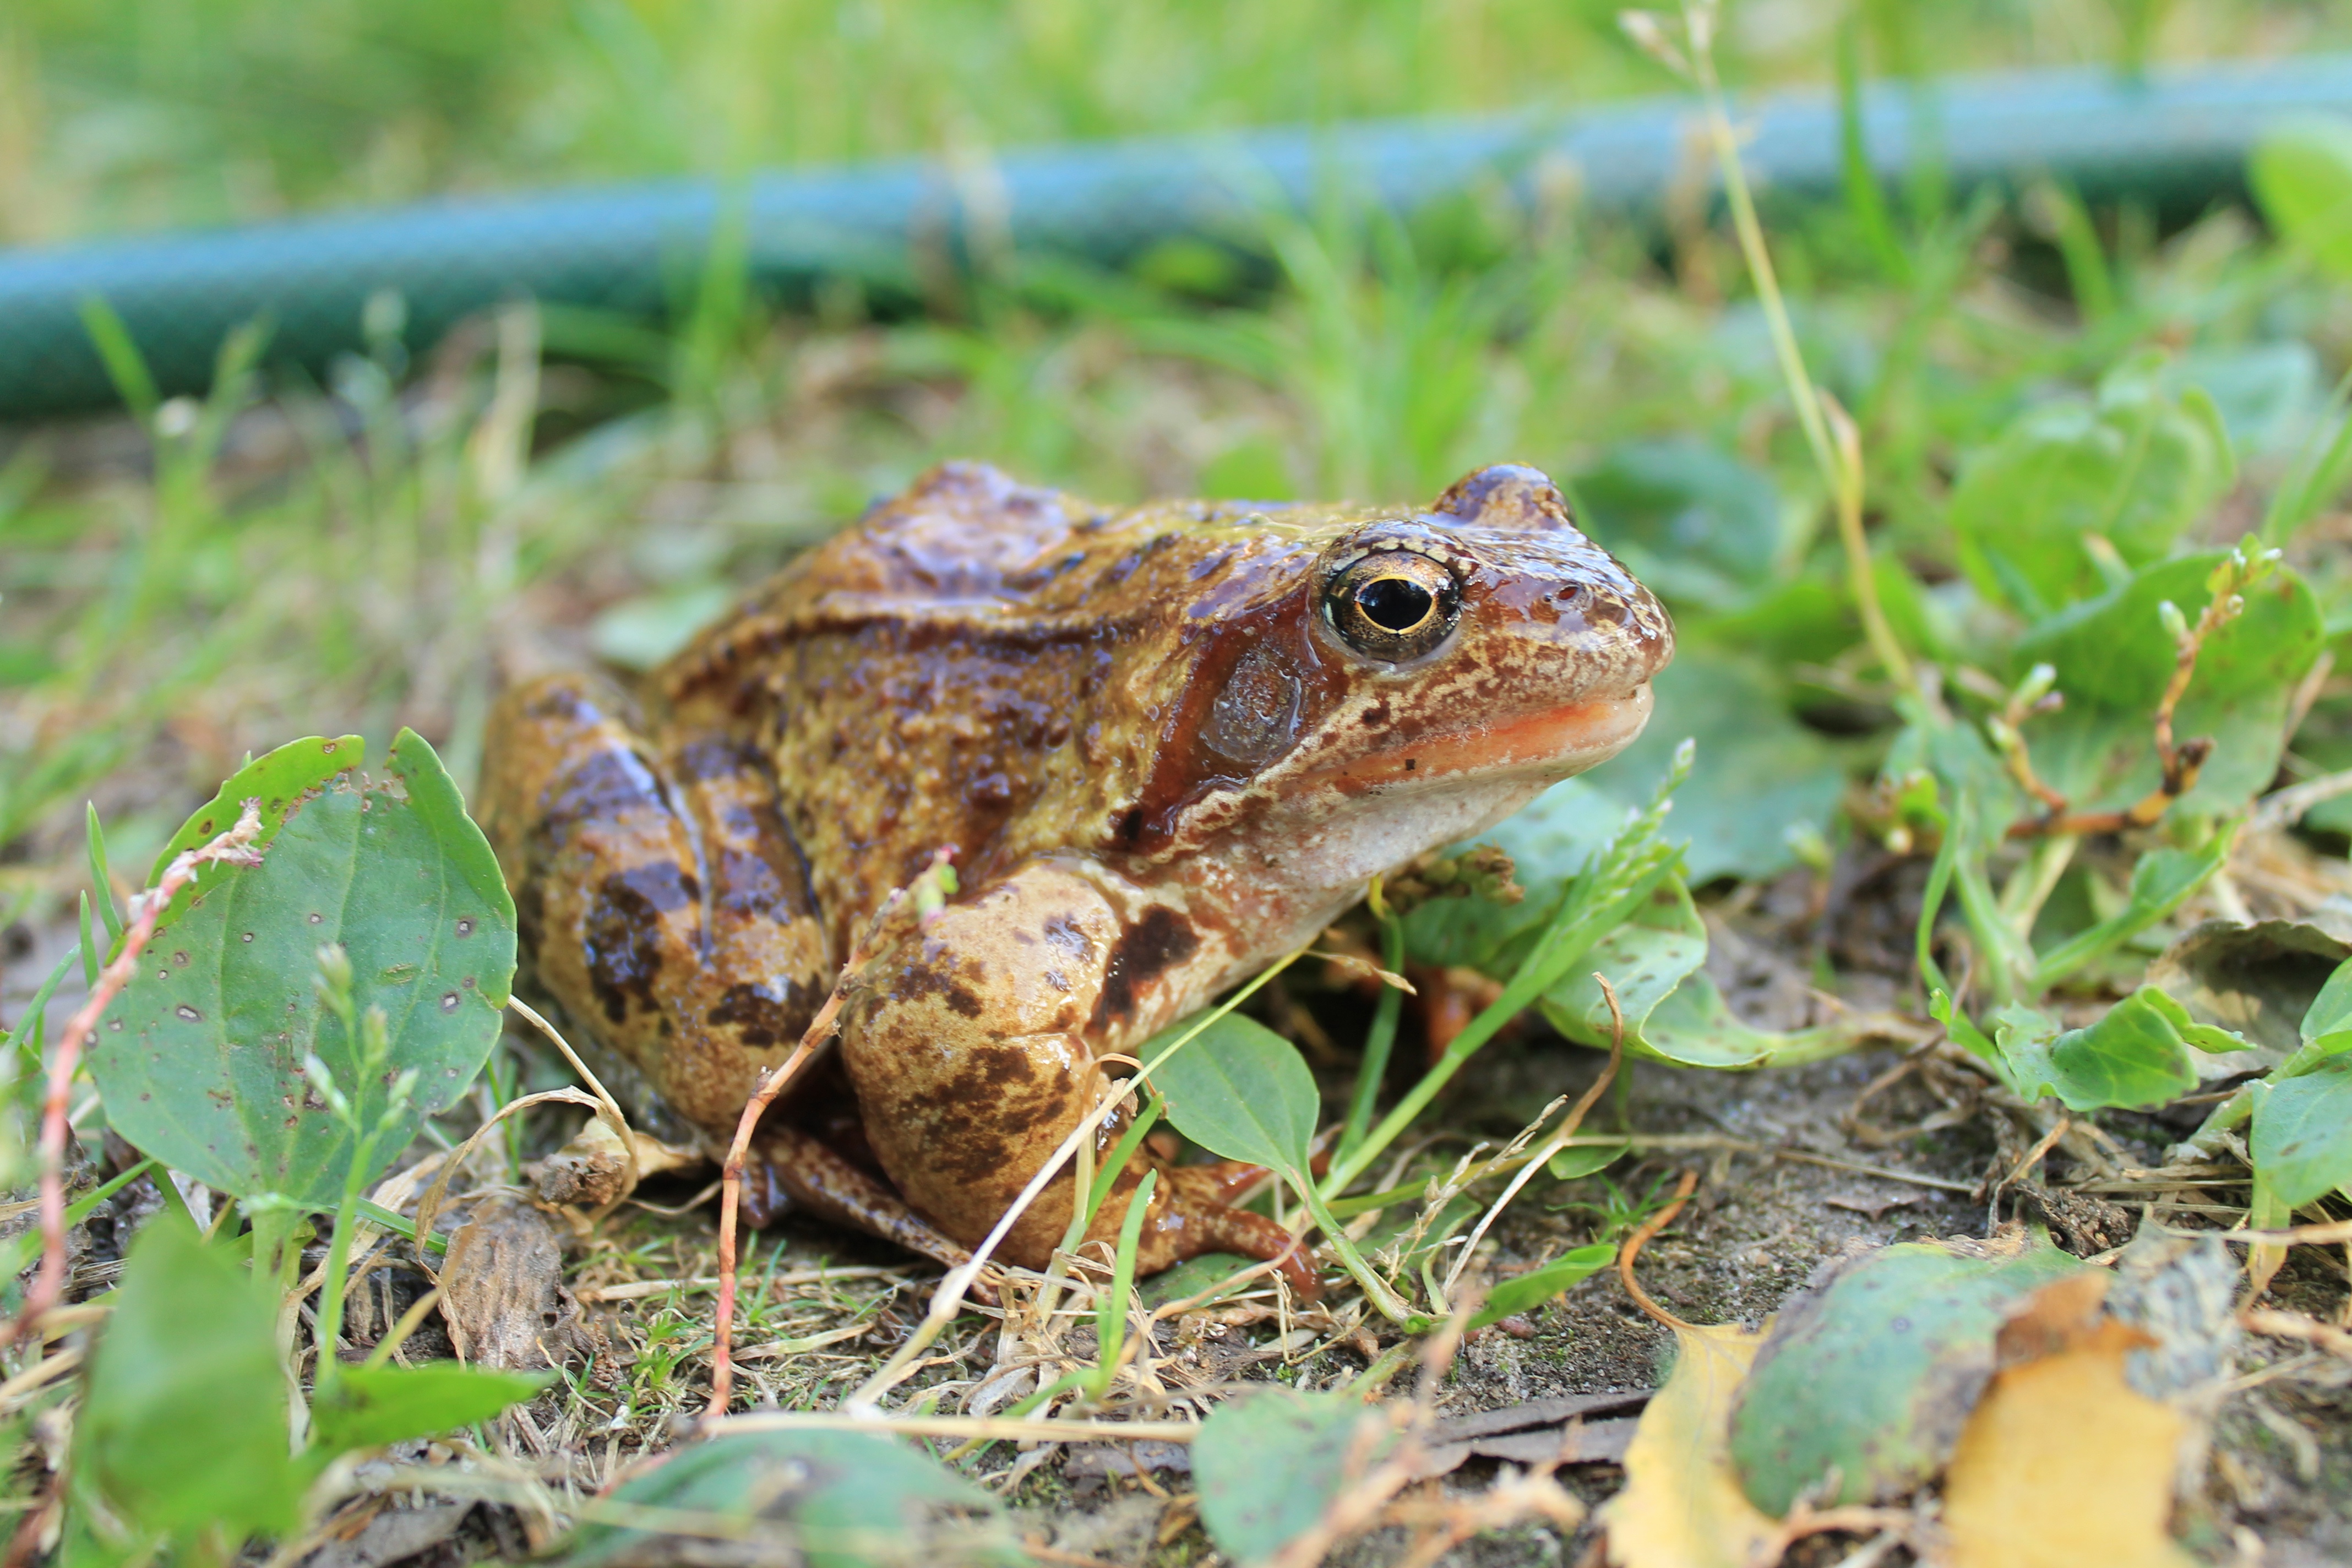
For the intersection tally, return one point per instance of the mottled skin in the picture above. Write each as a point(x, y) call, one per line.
point(1167, 744)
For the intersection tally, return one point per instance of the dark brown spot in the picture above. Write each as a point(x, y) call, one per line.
point(763, 1014)
point(621, 933)
point(1156, 942)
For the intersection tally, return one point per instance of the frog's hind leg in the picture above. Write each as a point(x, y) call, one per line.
point(660, 901)
point(792, 1166)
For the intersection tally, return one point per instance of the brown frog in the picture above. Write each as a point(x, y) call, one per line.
point(1167, 744)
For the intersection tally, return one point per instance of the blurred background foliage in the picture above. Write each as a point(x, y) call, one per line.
point(120, 114)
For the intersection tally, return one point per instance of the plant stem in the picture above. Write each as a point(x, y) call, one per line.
point(1835, 445)
point(1379, 1042)
point(338, 1262)
point(1538, 974)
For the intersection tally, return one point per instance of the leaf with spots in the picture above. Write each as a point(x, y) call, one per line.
point(1862, 1386)
point(199, 1060)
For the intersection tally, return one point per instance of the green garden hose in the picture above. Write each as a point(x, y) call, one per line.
point(2178, 140)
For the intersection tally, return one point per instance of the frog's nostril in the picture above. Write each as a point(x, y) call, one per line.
point(1396, 604)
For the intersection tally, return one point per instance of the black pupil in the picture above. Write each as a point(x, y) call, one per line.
point(1394, 604)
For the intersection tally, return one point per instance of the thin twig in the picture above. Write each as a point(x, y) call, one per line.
point(232, 848)
point(1640, 1238)
point(2177, 765)
point(771, 1085)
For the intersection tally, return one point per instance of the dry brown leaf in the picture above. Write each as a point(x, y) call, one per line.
point(594, 1168)
point(503, 1292)
point(1682, 1506)
point(2063, 1462)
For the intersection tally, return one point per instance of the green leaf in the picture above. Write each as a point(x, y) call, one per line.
point(1582, 1160)
point(2137, 1056)
point(2161, 882)
point(2134, 469)
point(1869, 1378)
point(1241, 1091)
point(2331, 1010)
point(277, 780)
point(2302, 175)
point(2302, 1142)
point(846, 1499)
point(1697, 524)
point(183, 1422)
point(199, 1060)
point(1532, 1289)
point(1673, 1011)
point(366, 1406)
point(1268, 1464)
point(1761, 783)
point(1660, 944)
point(2114, 659)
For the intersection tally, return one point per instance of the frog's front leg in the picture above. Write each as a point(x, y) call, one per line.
point(968, 1046)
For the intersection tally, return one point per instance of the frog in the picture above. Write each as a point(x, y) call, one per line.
point(1164, 743)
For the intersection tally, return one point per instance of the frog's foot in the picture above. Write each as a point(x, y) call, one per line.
point(790, 1167)
point(1198, 1219)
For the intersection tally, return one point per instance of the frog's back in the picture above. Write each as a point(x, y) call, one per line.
point(976, 663)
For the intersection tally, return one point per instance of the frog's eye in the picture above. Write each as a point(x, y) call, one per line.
point(1393, 604)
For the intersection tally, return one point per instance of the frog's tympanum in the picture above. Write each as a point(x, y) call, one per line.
point(1167, 744)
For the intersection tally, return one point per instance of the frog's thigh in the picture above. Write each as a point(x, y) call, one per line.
point(967, 1047)
point(611, 880)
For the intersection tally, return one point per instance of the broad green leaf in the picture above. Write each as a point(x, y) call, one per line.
point(2331, 1010)
point(842, 1499)
point(1862, 1386)
point(1528, 1291)
point(2302, 1143)
point(1268, 1464)
point(1241, 1091)
point(199, 1060)
point(1697, 524)
point(2134, 469)
point(1694, 1026)
point(2114, 659)
point(182, 1424)
point(2265, 393)
point(2162, 881)
point(1673, 1011)
point(1643, 960)
point(2302, 175)
point(277, 780)
point(2138, 1055)
point(366, 1406)
point(1761, 783)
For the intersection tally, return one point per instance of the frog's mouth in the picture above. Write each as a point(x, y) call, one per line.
point(1551, 743)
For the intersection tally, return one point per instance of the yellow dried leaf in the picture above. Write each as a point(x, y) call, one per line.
point(2063, 1462)
point(1682, 1506)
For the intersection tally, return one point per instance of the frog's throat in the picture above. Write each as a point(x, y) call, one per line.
point(1550, 744)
